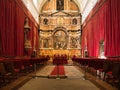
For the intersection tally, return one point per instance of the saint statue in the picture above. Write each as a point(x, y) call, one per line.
point(60, 4)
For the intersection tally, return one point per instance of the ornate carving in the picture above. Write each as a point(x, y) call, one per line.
point(60, 39)
point(26, 24)
point(60, 4)
point(74, 21)
point(27, 43)
point(45, 21)
point(75, 42)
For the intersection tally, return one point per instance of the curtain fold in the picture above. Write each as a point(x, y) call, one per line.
point(37, 39)
point(7, 27)
point(112, 29)
point(12, 29)
point(104, 25)
point(19, 32)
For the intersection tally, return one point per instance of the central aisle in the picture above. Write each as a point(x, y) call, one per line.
point(74, 80)
point(70, 71)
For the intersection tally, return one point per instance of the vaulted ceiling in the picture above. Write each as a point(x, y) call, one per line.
point(85, 6)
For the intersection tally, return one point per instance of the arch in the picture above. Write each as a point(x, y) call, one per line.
point(45, 21)
point(74, 21)
point(43, 2)
point(59, 29)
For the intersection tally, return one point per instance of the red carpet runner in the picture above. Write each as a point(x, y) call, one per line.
point(58, 71)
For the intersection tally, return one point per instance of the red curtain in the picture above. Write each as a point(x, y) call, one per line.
point(7, 26)
point(90, 37)
point(84, 41)
point(0, 43)
point(37, 38)
point(1, 28)
point(33, 36)
point(112, 31)
point(12, 29)
point(103, 25)
point(19, 31)
point(12, 25)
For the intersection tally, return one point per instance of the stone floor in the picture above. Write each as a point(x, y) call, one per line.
point(73, 72)
point(75, 80)
point(45, 72)
point(58, 84)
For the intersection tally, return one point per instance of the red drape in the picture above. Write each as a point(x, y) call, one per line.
point(19, 32)
point(7, 26)
point(103, 25)
point(12, 25)
point(31, 37)
point(112, 31)
point(0, 43)
point(12, 29)
point(37, 39)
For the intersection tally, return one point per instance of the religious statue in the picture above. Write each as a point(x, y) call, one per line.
point(46, 43)
point(60, 4)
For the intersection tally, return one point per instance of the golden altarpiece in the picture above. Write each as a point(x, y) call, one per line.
point(60, 28)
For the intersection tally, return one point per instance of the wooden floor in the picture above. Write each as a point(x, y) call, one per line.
point(23, 79)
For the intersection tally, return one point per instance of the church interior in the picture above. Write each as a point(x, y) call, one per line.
point(59, 45)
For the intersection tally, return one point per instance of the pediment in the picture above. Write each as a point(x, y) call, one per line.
point(60, 13)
